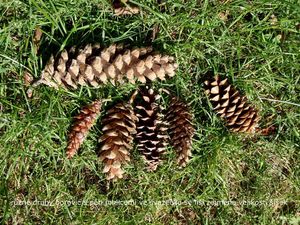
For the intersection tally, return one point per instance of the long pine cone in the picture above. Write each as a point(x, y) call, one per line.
point(152, 134)
point(116, 140)
point(230, 105)
point(181, 129)
point(93, 65)
point(83, 123)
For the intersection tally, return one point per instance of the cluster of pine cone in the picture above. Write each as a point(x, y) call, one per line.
point(141, 120)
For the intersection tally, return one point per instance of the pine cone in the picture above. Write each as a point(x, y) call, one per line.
point(122, 7)
point(94, 66)
point(152, 134)
point(116, 141)
point(229, 104)
point(181, 129)
point(84, 122)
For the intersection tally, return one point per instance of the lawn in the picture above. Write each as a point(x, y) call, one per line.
point(231, 179)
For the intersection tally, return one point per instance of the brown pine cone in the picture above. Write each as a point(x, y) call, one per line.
point(181, 129)
point(230, 105)
point(94, 66)
point(83, 123)
point(116, 140)
point(123, 7)
point(152, 134)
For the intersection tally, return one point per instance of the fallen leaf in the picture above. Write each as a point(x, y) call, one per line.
point(268, 131)
point(37, 36)
point(29, 93)
point(28, 78)
point(223, 16)
point(273, 20)
point(155, 31)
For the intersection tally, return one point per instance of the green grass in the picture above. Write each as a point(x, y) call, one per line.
point(260, 58)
